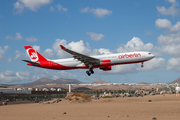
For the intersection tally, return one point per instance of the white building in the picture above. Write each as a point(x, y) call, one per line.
point(13, 91)
point(45, 89)
point(53, 89)
point(59, 89)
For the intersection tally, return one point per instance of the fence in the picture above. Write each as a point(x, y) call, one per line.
point(32, 96)
point(62, 94)
point(49, 96)
point(92, 93)
point(13, 91)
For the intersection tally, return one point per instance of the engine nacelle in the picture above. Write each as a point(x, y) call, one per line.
point(106, 68)
point(105, 62)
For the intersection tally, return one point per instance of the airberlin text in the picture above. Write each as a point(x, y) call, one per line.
point(129, 55)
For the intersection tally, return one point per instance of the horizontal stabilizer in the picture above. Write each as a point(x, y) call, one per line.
point(36, 64)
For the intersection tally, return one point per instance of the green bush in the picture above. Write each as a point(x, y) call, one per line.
point(107, 97)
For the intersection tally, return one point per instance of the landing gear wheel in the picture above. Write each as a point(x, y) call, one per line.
point(88, 73)
point(91, 71)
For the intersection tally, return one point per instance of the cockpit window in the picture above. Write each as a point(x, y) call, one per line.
point(149, 53)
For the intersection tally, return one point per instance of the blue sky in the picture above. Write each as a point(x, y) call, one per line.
point(91, 28)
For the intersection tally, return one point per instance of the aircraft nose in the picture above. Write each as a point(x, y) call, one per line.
point(153, 56)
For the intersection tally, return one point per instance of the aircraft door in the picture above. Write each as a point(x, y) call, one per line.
point(142, 55)
point(50, 63)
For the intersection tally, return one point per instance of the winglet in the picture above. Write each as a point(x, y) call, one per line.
point(62, 47)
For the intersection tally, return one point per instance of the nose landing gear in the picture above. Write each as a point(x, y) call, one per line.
point(142, 65)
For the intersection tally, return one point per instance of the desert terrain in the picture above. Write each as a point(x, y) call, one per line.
point(162, 107)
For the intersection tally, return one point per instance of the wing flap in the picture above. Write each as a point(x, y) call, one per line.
point(80, 57)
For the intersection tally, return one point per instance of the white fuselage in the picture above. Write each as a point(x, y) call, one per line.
point(118, 58)
point(80, 61)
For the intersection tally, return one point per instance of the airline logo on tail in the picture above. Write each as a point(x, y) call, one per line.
point(32, 54)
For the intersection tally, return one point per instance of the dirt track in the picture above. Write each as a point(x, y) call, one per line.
point(162, 107)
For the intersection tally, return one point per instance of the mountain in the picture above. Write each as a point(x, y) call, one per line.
point(1, 86)
point(142, 83)
point(6, 85)
point(44, 81)
point(176, 81)
point(41, 81)
point(99, 82)
point(66, 81)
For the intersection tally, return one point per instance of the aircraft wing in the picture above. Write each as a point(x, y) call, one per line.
point(83, 58)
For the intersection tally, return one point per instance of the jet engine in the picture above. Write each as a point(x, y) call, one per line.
point(107, 68)
point(105, 62)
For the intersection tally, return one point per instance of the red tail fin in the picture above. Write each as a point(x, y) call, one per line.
point(34, 55)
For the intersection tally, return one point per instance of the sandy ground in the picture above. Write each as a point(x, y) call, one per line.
point(134, 108)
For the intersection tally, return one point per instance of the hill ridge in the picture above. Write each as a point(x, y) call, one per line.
point(45, 81)
point(176, 81)
point(99, 82)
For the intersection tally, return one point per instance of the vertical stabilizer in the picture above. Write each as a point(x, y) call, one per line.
point(34, 55)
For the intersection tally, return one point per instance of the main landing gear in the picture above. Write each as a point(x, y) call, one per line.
point(142, 65)
point(90, 71)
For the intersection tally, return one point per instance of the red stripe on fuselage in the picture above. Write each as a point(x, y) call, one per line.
point(52, 65)
point(56, 66)
point(99, 66)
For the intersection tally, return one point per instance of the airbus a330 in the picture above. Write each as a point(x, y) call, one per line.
point(80, 61)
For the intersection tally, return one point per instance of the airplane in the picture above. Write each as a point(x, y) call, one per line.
point(80, 61)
